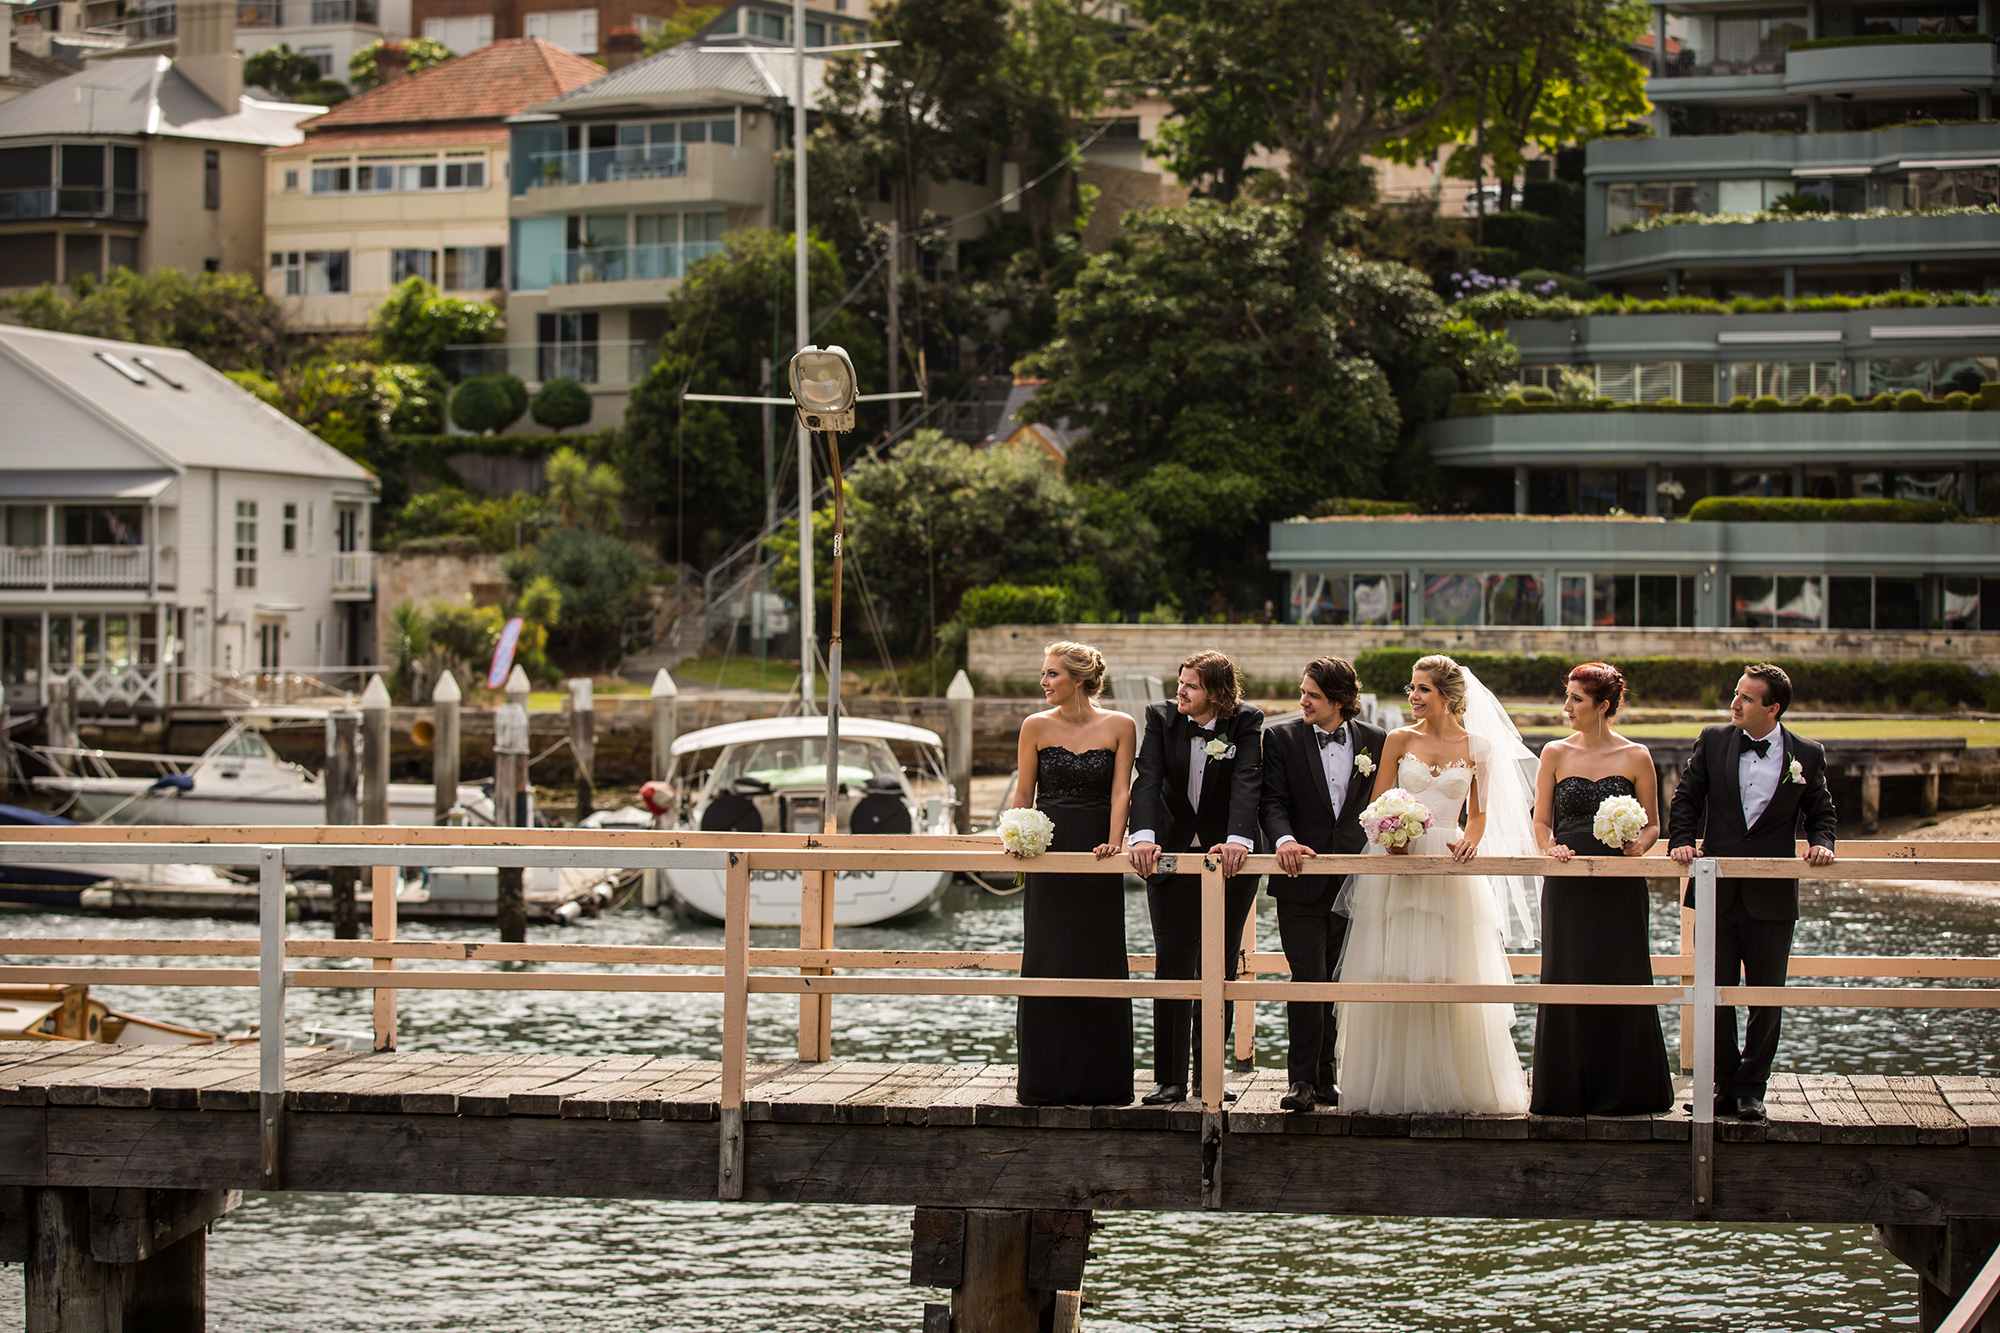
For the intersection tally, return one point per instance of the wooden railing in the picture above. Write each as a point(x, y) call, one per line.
point(816, 971)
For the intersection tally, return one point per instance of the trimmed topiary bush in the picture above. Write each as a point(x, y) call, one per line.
point(1958, 399)
point(1740, 403)
point(1840, 402)
point(1514, 402)
point(486, 404)
point(1812, 402)
point(1013, 604)
point(560, 404)
point(1767, 402)
point(1535, 393)
point(1782, 509)
point(1882, 402)
point(1912, 400)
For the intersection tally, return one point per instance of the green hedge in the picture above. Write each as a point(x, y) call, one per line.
point(1748, 509)
point(1662, 681)
point(1013, 604)
point(1895, 39)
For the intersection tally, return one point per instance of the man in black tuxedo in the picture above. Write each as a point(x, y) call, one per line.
point(1318, 777)
point(1745, 791)
point(1200, 772)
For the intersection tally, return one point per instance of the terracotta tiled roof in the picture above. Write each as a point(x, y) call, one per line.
point(463, 136)
point(486, 84)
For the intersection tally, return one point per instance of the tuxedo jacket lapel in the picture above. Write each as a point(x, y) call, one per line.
point(1784, 780)
point(1730, 787)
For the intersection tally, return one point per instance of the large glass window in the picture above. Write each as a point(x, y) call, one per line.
point(1730, 44)
point(469, 268)
point(310, 272)
point(1934, 376)
point(1378, 599)
point(412, 264)
point(246, 543)
point(100, 525)
point(23, 525)
point(1320, 598)
point(1789, 380)
point(1776, 602)
point(1451, 599)
point(1513, 599)
point(1641, 201)
point(1936, 16)
point(1956, 604)
point(538, 244)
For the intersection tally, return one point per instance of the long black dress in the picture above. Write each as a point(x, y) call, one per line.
point(1596, 1059)
point(1074, 1051)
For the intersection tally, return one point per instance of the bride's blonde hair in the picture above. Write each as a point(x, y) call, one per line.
point(1449, 678)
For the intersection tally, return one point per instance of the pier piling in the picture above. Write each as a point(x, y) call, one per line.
point(445, 746)
point(342, 780)
point(510, 782)
point(958, 749)
point(1009, 1270)
point(1947, 1259)
point(583, 742)
point(115, 1260)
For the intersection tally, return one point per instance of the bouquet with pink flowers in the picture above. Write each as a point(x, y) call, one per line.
point(1395, 818)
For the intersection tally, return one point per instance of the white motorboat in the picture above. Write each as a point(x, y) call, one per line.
point(237, 780)
point(768, 775)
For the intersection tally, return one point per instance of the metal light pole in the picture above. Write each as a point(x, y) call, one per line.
point(801, 331)
point(822, 383)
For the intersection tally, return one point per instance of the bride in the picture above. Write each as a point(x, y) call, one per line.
point(1461, 749)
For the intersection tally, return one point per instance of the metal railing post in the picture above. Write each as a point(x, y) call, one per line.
point(1214, 1059)
point(271, 982)
point(1703, 1010)
point(735, 1023)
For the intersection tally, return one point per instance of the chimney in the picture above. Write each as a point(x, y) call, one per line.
point(207, 44)
point(621, 47)
point(392, 62)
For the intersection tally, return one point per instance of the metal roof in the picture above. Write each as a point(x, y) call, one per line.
point(53, 485)
point(801, 728)
point(694, 74)
point(206, 421)
point(146, 97)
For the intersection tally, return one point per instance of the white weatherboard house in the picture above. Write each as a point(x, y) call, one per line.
point(160, 528)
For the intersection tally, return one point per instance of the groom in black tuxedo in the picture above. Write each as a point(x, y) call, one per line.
point(1318, 777)
point(1196, 791)
point(1746, 791)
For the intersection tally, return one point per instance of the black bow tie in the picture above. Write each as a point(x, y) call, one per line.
point(1762, 747)
point(1208, 730)
point(1338, 736)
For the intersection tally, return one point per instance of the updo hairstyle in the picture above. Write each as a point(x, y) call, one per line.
point(1602, 683)
point(1084, 664)
point(1449, 678)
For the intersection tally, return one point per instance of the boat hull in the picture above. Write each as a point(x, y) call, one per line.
point(861, 897)
point(410, 804)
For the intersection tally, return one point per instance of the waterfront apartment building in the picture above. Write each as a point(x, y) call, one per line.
point(407, 180)
point(1799, 151)
point(467, 25)
point(143, 163)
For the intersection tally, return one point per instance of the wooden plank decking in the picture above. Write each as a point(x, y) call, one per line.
point(1901, 1150)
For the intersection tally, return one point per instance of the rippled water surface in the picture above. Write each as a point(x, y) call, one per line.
point(414, 1262)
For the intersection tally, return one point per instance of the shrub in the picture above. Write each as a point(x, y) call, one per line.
point(1989, 392)
point(1341, 507)
point(1666, 402)
point(485, 403)
point(1749, 509)
point(1798, 201)
point(1912, 400)
point(415, 395)
point(559, 404)
point(1012, 604)
point(1958, 399)
point(1535, 393)
point(1661, 681)
point(1767, 402)
point(1514, 402)
point(1840, 402)
point(1812, 402)
point(1882, 402)
point(1740, 403)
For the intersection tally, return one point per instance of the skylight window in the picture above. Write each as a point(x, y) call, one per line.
point(153, 368)
point(123, 369)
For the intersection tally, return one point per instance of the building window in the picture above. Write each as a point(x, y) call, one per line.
point(1625, 205)
point(465, 175)
point(472, 268)
point(291, 182)
point(400, 173)
point(101, 525)
point(404, 264)
point(310, 272)
point(1661, 601)
point(1789, 380)
point(571, 29)
point(246, 543)
point(1648, 381)
point(211, 179)
point(270, 636)
point(1933, 376)
point(347, 529)
point(1347, 599)
point(1762, 601)
point(1944, 486)
point(1513, 599)
point(566, 347)
point(321, 56)
point(332, 179)
point(461, 34)
point(291, 529)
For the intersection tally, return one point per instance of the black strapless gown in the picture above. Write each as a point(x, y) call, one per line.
point(1074, 1051)
point(1596, 1059)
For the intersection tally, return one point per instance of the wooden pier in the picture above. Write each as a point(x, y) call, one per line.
point(111, 1158)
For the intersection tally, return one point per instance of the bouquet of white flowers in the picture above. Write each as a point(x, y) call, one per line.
point(1618, 820)
point(1026, 832)
point(1395, 817)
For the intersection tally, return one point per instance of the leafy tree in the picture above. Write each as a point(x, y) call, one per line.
point(416, 322)
point(293, 76)
point(597, 576)
point(584, 496)
point(560, 403)
point(334, 395)
point(494, 523)
point(1232, 373)
point(699, 466)
point(423, 52)
point(682, 26)
point(413, 396)
point(223, 318)
point(483, 405)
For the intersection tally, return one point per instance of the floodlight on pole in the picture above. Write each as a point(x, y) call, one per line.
point(822, 384)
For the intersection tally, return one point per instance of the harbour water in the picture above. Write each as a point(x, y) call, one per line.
point(330, 1263)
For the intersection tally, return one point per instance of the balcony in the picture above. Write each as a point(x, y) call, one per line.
point(1887, 241)
point(340, 13)
point(1891, 65)
point(537, 363)
point(628, 263)
point(65, 202)
point(353, 575)
point(50, 568)
point(260, 13)
point(632, 162)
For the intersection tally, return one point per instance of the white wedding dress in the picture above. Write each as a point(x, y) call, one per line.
point(1428, 1058)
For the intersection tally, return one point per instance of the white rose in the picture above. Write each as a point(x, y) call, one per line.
point(1364, 765)
point(1218, 748)
point(1026, 832)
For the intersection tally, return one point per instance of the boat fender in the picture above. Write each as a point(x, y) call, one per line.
point(167, 782)
point(568, 912)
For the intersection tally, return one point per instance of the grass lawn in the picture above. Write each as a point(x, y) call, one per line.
point(1974, 732)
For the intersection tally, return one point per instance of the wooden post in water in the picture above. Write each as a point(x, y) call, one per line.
point(342, 780)
point(510, 778)
point(445, 746)
point(664, 706)
point(583, 741)
point(1009, 1270)
point(101, 1260)
point(958, 749)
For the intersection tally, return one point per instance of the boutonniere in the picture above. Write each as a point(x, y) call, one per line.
point(1219, 748)
point(1795, 772)
point(1364, 765)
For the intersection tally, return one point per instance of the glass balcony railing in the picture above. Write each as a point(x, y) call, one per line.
point(334, 12)
point(537, 363)
point(628, 263)
point(65, 202)
point(629, 162)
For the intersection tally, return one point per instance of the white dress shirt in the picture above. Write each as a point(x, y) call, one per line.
point(1758, 778)
point(1197, 773)
point(1336, 759)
